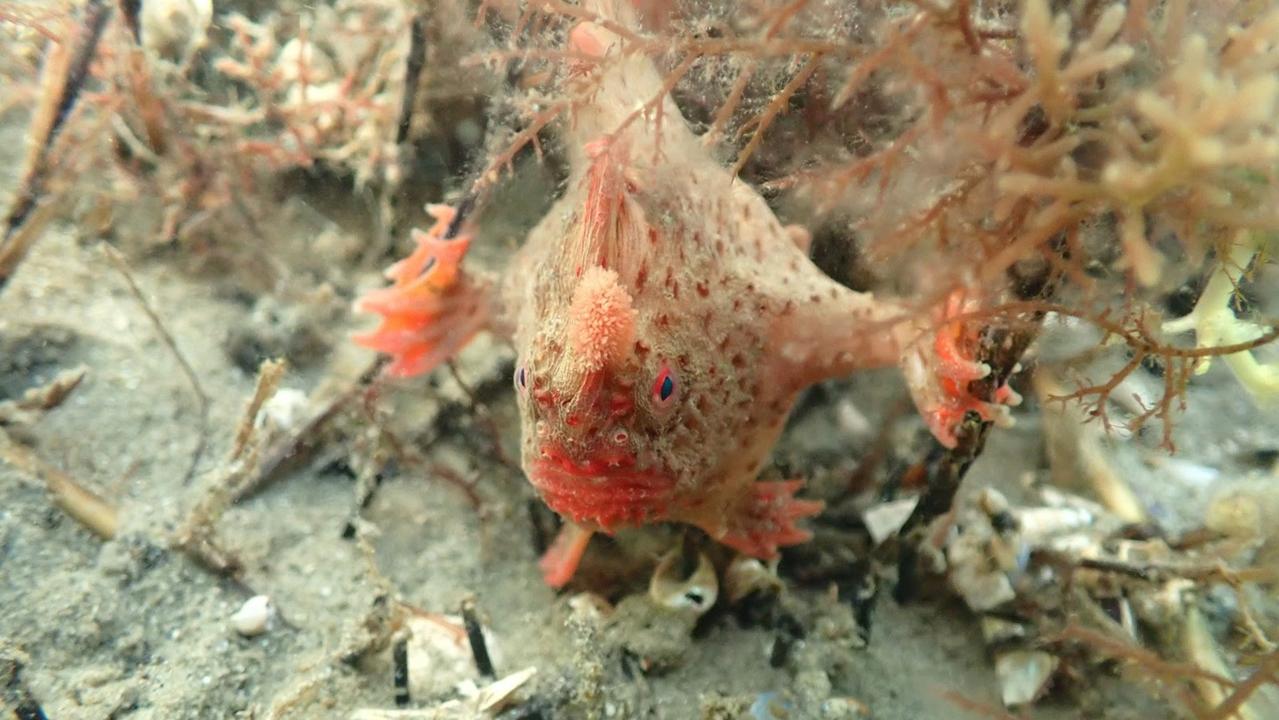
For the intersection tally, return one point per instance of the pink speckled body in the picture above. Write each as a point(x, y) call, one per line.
point(723, 296)
point(664, 321)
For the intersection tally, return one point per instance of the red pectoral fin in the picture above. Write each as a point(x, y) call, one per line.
point(766, 520)
point(433, 308)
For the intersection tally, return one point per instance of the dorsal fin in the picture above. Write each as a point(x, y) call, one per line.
point(610, 230)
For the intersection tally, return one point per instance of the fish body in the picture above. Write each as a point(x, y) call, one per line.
point(664, 323)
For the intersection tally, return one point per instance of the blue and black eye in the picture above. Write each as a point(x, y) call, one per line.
point(521, 379)
point(665, 389)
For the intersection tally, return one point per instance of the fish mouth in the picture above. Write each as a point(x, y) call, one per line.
point(605, 494)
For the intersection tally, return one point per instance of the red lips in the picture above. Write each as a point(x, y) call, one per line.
point(604, 490)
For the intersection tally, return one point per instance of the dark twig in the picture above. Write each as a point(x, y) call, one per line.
point(400, 672)
point(130, 9)
point(65, 72)
point(945, 470)
point(1001, 347)
point(412, 75)
point(475, 636)
point(193, 380)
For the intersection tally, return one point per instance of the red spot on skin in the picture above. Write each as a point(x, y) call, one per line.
point(702, 289)
point(621, 405)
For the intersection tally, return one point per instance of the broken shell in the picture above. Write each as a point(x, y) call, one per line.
point(696, 592)
point(1023, 675)
point(983, 586)
point(283, 411)
point(747, 575)
point(254, 617)
point(1038, 524)
point(439, 654)
point(476, 702)
point(884, 520)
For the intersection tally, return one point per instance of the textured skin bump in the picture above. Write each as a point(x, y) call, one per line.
point(601, 320)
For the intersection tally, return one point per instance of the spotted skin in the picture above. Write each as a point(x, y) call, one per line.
point(665, 322)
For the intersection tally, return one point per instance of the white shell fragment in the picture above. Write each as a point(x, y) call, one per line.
point(1023, 674)
point(884, 520)
point(698, 592)
point(1039, 524)
point(439, 655)
point(254, 617)
point(746, 575)
point(483, 702)
point(283, 411)
point(494, 696)
point(975, 576)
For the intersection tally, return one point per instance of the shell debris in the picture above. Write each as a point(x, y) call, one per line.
point(440, 659)
point(747, 575)
point(1023, 675)
point(696, 592)
point(477, 703)
point(255, 616)
point(885, 519)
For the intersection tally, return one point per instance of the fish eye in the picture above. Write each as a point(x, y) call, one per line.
point(521, 379)
point(665, 388)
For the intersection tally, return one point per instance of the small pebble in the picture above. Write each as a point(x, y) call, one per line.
point(254, 617)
